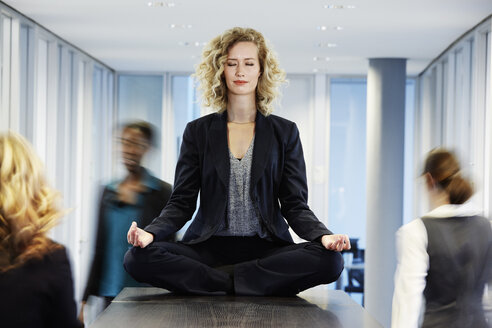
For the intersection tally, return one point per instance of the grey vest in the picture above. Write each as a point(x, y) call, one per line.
point(460, 258)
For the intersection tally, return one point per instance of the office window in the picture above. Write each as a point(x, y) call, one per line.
point(410, 173)
point(488, 135)
point(140, 97)
point(102, 107)
point(462, 83)
point(46, 91)
point(185, 105)
point(347, 182)
point(462, 100)
point(5, 70)
point(40, 105)
point(26, 81)
point(445, 94)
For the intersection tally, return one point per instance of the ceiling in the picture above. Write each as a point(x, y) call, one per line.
point(138, 35)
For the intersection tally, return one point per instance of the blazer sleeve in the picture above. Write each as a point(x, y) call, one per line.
point(165, 193)
point(155, 202)
point(293, 192)
point(182, 203)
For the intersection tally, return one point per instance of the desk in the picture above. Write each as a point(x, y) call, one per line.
point(154, 307)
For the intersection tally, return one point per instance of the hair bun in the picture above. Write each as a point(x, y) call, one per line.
point(459, 189)
point(443, 166)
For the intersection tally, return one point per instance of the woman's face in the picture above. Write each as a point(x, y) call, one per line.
point(134, 145)
point(242, 69)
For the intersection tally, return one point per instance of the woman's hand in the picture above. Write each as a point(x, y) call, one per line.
point(336, 242)
point(81, 313)
point(139, 237)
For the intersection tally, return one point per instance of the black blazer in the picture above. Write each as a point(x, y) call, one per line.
point(278, 181)
point(39, 293)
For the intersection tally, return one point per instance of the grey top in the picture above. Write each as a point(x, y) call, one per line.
point(460, 258)
point(242, 217)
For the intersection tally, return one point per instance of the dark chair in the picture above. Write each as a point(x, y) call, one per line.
point(355, 278)
point(355, 270)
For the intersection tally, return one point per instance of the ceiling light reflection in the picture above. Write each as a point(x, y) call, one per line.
point(326, 45)
point(319, 58)
point(161, 4)
point(339, 6)
point(180, 26)
point(324, 28)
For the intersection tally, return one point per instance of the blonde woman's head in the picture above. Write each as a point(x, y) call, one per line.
point(27, 204)
point(210, 72)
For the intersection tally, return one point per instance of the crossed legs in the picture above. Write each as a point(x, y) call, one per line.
point(259, 267)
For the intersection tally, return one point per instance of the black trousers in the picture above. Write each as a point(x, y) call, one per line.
point(240, 265)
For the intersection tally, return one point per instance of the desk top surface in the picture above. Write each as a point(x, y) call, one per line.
point(154, 307)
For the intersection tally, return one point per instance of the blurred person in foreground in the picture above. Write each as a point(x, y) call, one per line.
point(444, 257)
point(139, 196)
point(248, 167)
point(35, 276)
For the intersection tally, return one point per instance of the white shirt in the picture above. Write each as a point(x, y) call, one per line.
point(413, 264)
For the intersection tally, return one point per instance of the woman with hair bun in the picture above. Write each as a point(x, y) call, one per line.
point(248, 167)
point(35, 276)
point(444, 257)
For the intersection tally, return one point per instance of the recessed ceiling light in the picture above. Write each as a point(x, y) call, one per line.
point(321, 58)
point(161, 4)
point(315, 70)
point(327, 45)
point(324, 28)
point(187, 44)
point(339, 7)
point(180, 26)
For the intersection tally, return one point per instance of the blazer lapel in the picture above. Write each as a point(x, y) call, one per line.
point(262, 148)
point(217, 143)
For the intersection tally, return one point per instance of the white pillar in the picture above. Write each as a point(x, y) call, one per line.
point(385, 158)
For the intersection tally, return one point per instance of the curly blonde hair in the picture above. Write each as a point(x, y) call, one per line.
point(27, 204)
point(210, 72)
